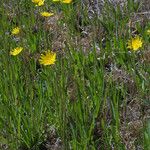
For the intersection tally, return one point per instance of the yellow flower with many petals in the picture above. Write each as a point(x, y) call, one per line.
point(66, 1)
point(135, 43)
point(48, 58)
point(46, 14)
point(38, 2)
point(15, 31)
point(16, 51)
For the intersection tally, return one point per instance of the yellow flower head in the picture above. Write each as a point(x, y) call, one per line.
point(135, 43)
point(38, 2)
point(63, 1)
point(66, 1)
point(48, 58)
point(46, 14)
point(15, 31)
point(16, 51)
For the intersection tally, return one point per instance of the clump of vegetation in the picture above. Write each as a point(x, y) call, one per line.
point(74, 77)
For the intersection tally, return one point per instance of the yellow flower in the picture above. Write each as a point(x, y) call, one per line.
point(66, 1)
point(38, 2)
point(135, 43)
point(16, 51)
point(48, 58)
point(46, 14)
point(63, 1)
point(15, 31)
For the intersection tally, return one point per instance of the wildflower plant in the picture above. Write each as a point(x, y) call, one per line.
point(63, 1)
point(16, 51)
point(38, 2)
point(135, 43)
point(46, 14)
point(80, 102)
point(15, 31)
point(66, 1)
point(48, 58)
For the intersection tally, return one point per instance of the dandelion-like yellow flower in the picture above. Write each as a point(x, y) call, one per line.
point(66, 1)
point(135, 43)
point(56, 0)
point(16, 51)
point(15, 31)
point(38, 2)
point(48, 58)
point(46, 14)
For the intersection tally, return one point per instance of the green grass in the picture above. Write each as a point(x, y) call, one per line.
point(81, 97)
